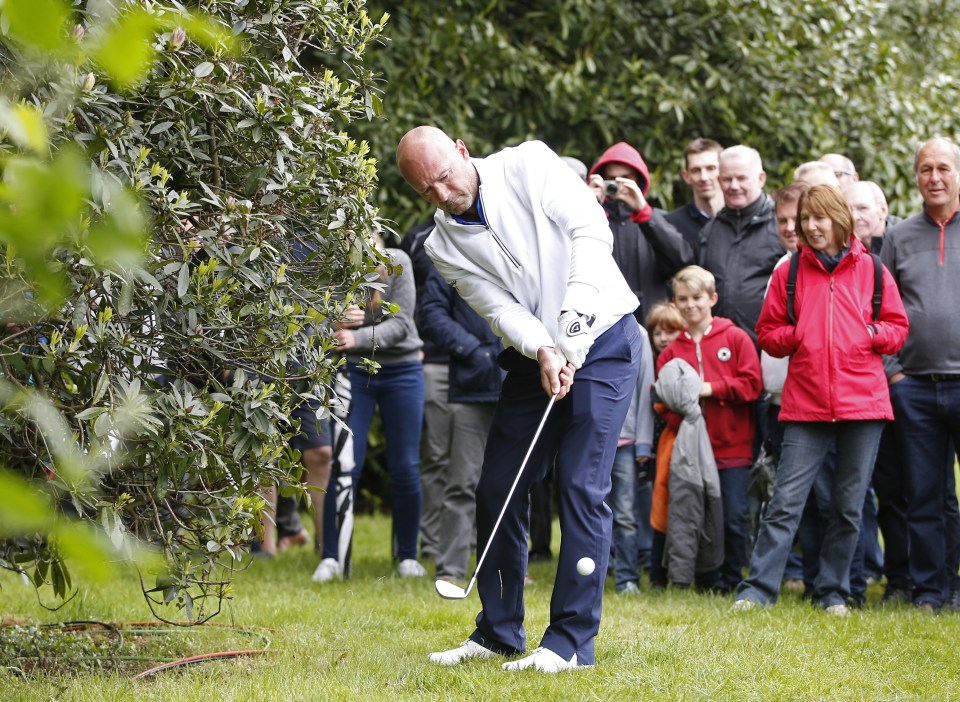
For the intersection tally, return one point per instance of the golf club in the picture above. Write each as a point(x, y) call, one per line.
point(452, 591)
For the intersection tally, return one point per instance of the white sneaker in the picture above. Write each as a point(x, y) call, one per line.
point(744, 605)
point(839, 610)
point(410, 568)
point(328, 570)
point(545, 661)
point(464, 652)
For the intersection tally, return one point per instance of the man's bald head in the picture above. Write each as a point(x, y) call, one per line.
point(439, 169)
point(816, 173)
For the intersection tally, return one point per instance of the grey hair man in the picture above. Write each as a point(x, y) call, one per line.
point(868, 222)
point(923, 254)
point(843, 168)
point(741, 245)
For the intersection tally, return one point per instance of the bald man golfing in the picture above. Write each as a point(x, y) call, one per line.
point(526, 244)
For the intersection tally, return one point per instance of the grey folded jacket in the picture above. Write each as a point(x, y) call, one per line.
point(695, 510)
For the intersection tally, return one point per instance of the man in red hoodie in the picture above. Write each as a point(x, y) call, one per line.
point(647, 248)
point(729, 366)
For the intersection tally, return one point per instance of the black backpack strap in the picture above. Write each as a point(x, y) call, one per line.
point(877, 286)
point(792, 287)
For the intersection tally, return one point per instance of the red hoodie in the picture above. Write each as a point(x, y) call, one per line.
point(728, 360)
point(622, 152)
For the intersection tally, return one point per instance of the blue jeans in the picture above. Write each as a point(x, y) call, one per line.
point(889, 483)
point(805, 445)
point(398, 390)
point(927, 430)
point(872, 551)
point(622, 502)
point(642, 502)
point(734, 484)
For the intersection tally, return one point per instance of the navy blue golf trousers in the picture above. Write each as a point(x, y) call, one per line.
point(580, 438)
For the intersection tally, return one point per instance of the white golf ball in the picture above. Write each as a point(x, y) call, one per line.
point(585, 566)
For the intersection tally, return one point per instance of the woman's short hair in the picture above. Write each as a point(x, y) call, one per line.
point(698, 279)
point(667, 316)
point(826, 201)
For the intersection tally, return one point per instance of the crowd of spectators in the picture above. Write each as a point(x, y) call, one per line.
point(816, 326)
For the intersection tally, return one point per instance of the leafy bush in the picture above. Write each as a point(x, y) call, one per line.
point(175, 371)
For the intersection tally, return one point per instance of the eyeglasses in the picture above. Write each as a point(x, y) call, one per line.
point(840, 174)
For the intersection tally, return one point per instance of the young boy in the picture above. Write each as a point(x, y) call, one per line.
point(730, 369)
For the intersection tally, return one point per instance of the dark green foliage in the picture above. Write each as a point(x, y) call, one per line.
point(867, 78)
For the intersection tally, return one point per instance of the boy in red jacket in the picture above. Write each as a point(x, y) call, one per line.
point(729, 365)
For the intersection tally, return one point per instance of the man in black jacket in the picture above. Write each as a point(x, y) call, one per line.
point(701, 172)
point(647, 248)
point(741, 246)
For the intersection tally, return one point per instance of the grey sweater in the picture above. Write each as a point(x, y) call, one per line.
point(385, 337)
point(930, 290)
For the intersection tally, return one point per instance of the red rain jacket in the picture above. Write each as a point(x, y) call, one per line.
point(836, 370)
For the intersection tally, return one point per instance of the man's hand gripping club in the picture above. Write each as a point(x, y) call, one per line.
point(558, 364)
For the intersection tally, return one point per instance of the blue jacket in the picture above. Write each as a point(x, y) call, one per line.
point(452, 325)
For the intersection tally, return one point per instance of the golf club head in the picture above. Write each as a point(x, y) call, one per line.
point(450, 591)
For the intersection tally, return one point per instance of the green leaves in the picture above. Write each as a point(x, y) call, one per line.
point(25, 509)
point(39, 25)
point(865, 77)
point(125, 50)
point(44, 205)
point(24, 126)
point(166, 366)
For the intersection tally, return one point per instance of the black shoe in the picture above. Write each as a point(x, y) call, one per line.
point(926, 607)
point(953, 604)
point(895, 595)
point(539, 556)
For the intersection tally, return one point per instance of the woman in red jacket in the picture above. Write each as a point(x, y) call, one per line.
point(835, 392)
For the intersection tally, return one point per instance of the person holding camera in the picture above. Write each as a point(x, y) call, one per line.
point(647, 248)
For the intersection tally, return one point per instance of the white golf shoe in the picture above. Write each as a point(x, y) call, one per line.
point(545, 661)
point(328, 570)
point(467, 650)
point(410, 568)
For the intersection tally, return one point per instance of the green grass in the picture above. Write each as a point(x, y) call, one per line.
point(367, 639)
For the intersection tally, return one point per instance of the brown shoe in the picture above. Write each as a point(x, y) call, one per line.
point(298, 539)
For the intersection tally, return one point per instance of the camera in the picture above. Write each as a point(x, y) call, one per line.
point(610, 187)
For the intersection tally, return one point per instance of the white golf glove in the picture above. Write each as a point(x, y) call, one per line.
point(574, 337)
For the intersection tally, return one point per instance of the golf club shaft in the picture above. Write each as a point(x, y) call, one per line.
point(506, 502)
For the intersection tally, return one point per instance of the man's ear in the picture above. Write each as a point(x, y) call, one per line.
point(685, 176)
point(462, 149)
point(763, 178)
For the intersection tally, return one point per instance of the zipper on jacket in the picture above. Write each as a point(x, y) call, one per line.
point(496, 238)
point(503, 247)
point(833, 372)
